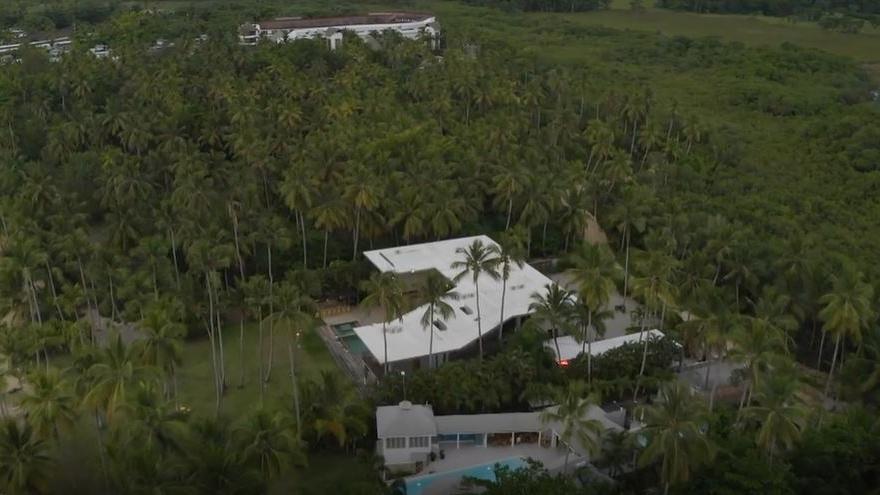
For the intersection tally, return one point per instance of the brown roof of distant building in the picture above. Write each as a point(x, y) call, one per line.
point(353, 20)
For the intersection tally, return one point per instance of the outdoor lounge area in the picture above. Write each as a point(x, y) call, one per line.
point(443, 476)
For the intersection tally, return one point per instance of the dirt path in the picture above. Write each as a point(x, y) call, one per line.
point(594, 233)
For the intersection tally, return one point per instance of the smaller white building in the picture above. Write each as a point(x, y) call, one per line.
point(405, 433)
point(570, 348)
point(407, 24)
point(408, 433)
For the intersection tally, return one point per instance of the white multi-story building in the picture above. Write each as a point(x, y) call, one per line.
point(409, 25)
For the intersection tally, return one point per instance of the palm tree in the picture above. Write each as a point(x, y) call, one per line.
point(591, 323)
point(329, 215)
point(117, 369)
point(297, 188)
point(675, 433)
point(554, 308)
point(162, 345)
point(384, 291)
point(436, 291)
point(600, 136)
point(780, 411)
point(152, 423)
point(630, 214)
point(335, 410)
point(861, 374)
point(571, 419)
point(846, 311)
point(217, 463)
point(364, 193)
point(713, 324)
point(656, 289)
point(757, 345)
point(265, 442)
point(49, 403)
point(476, 260)
point(24, 462)
point(297, 311)
point(509, 253)
point(594, 271)
point(507, 184)
point(256, 294)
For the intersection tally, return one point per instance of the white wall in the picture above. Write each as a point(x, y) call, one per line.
point(404, 455)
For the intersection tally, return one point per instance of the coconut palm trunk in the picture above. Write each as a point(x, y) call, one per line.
point(174, 257)
point(212, 338)
point(589, 338)
point(833, 362)
point(292, 344)
point(385, 344)
point(54, 292)
point(626, 235)
point(357, 231)
point(501, 319)
point(302, 223)
point(260, 355)
point(268, 374)
point(479, 319)
point(430, 338)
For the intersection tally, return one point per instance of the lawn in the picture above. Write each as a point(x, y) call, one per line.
point(195, 375)
point(331, 473)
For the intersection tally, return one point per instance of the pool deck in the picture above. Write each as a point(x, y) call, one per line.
point(364, 316)
point(470, 456)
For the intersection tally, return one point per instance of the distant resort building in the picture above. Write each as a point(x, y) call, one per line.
point(55, 47)
point(408, 340)
point(407, 24)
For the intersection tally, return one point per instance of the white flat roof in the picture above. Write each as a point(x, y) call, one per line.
point(483, 424)
point(569, 348)
point(407, 339)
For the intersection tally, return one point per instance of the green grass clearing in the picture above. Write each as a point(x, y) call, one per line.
point(331, 473)
point(195, 379)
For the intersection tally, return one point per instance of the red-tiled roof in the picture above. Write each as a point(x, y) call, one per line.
point(353, 20)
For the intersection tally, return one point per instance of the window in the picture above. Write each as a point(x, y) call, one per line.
point(466, 310)
point(420, 442)
point(395, 443)
point(439, 325)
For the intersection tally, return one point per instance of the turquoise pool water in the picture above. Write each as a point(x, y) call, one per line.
point(415, 485)
point(345, 332)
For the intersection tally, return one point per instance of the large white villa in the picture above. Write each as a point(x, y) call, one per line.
point(408, 340)
point(407, 24)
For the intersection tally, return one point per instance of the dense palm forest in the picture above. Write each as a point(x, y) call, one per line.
point(188, 191)
point(812, 8)
point(848, 16)
point(545, 5)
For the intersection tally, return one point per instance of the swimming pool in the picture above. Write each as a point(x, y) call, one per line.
point(345, 333)
point(417, 484)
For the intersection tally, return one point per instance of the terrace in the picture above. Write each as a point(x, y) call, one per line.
point(443, 476)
